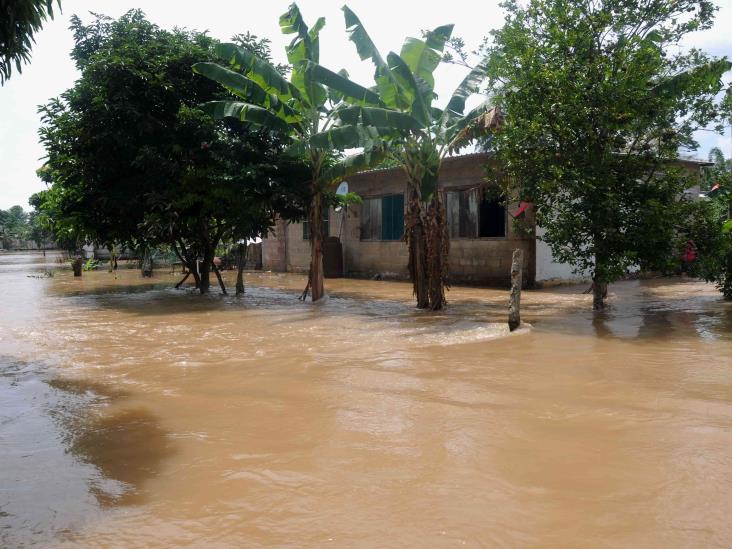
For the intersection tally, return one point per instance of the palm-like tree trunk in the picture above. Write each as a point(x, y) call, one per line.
point(438, 247)
point(316, 246)
point(417, 244)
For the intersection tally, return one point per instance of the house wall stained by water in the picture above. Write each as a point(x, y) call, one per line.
point(478, 253)
point(482, 240)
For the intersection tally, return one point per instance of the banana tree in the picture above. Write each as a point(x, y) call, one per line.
point(419, 135)
point(302, 106)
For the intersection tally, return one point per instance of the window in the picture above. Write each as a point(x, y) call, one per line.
point(492, 219)
point(470, 217)
point(383, 218)
point(325, 229)
point(392, 217)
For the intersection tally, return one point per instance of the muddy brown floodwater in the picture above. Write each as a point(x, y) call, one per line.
point(132, 414)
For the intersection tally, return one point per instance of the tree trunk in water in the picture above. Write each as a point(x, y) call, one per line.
point(183, 280)
point(76, 266)
point(218, 277)
point(599, 293)
point(147, 264)
point(316, 248)
point(204, 272)
point(112, 260)
point(438, 246)
point(241, 262)
point(514, 307)
point(417, 245)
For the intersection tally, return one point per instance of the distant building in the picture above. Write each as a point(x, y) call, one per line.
point(482, 235)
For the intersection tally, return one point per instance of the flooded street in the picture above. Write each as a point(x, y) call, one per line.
point(132, 414)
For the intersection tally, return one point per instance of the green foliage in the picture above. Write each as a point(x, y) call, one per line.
point(704, 224)
point(720, 173)
point(302, 108)
point(13, 226)
point(20, 21)
point(133, 161)
point(91, 264)
point(417, 136)
point(597, 105)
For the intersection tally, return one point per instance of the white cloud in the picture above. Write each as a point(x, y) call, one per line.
point(51, 71)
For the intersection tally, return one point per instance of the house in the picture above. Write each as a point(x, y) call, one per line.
point(482, 234)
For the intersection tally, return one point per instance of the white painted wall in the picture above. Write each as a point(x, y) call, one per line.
point(547, 269)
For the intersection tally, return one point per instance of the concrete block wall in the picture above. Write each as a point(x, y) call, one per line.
point(473, 260)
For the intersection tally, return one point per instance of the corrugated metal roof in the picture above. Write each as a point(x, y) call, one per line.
point(447, 159)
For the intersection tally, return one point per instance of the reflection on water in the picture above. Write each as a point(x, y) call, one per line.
point(134, 414)
point(65, 452)
point(127, 446)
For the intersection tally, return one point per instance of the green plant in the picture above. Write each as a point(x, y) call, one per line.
point(598, 100)
point(21, 20)
point(178, 179)
point(300, 108)
point(417, 136)
point(91, 264)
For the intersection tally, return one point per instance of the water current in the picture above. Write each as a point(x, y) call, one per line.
point(136, 415)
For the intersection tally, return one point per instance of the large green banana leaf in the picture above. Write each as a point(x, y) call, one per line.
point(420, 93)
point(470, 85)
point(707, 74)
point(378, 117)
point(478, 121)
point(351, 165)
point(349, 91)
point(389, 90)
point(436, 39)
point(247, 89)
point(315, 93)
point(259, 70)
point(306, 45)
point(345, 137)
point(423, 56)
point(246, 112)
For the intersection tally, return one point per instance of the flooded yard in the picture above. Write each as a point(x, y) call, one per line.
point(132, 414)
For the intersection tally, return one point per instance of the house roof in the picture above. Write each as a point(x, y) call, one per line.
point(486, 155)
point(446, 160)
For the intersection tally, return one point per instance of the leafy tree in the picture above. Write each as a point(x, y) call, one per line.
point(709, 225)
point(705, 223)
point(300, 107)
point(20, 20)
point(13, 225)
point(720, 173)
point(598, 100)
point(133, 161)
point(419, 136)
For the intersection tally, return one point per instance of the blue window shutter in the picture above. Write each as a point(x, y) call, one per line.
point(392, 217)
point(398, 216)
point(386, 227)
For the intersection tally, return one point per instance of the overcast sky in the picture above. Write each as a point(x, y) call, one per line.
point(51, 71)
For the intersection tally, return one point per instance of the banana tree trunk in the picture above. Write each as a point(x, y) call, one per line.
point(417, 244)
point(316, 247)
point(438, 247)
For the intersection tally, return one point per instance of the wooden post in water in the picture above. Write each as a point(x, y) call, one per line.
point(514, 307)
